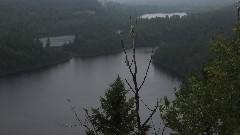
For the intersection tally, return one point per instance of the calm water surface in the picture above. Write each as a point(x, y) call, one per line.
point(162, 15)
point(30, 103)
point(58, 41)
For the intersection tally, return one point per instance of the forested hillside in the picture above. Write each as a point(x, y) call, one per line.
point(47, 17)
point(207, 104)
point(98, 29)
point(184, 43)
point(191, 27)
point(211, 104)
point(23, 22)
point(157, 32)
point(20, 52)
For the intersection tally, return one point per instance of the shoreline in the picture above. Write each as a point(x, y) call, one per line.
point(107, 52)
point(171, 71)
point(75, 55)
point(37, 67)
point(72, 55)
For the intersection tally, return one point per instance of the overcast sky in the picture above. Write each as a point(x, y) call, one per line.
point(202, 2)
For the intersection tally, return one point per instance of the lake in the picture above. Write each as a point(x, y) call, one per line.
point(58, 41)
point(32, 102)
point(162, 15)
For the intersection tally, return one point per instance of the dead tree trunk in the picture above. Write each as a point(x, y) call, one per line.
point(133, 69)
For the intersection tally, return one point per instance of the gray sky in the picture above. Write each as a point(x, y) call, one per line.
point(195, 2)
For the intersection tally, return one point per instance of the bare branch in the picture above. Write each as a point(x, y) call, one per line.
point(74, 112)
point(154, 129)
point(149, 63)
point(146, 105)
point(63, 125)
point(134, 77)
point(77, 118)
point(130, 86)
point(151, 115)
point(88, 120)
point(126, 58)
point(133, 68)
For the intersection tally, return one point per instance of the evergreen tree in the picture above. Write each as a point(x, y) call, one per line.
point(116, 116)
point(213, 104)
point(22, 52)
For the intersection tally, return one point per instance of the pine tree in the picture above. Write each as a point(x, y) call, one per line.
point(116, 116)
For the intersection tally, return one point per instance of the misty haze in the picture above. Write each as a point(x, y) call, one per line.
point(119, 67)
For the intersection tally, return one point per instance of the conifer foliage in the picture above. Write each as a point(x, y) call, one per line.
point(116, 116)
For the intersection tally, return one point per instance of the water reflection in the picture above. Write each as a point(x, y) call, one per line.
point(31, 102)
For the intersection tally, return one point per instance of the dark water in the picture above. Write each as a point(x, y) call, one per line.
point(30, 103)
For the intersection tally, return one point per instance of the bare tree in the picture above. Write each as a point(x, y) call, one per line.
point(142, 127)
point(79, 122)
point(136, 87)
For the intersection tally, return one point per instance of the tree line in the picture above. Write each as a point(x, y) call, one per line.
point(169, 32)
point(183, 43)
point(209, 105)
point(98, 29)
point(20, 52)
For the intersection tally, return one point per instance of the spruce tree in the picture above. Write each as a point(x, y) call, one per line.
point(116, 116)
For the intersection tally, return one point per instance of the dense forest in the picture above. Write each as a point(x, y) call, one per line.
point(184, 43)
point(46, 17)
point(98, 28)
point(43, 18)
point(19, 52)
point(24, 22)
point(94, 44)
point(209, 104)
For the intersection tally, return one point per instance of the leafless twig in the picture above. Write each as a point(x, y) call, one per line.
point(133, 69)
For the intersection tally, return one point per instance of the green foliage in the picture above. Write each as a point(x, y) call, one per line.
point(116, 116)
point(174, 35)
point(182, 58)
point(97, 25)
point(43, 18)
point(188, 28)
point(94, 44)
point(20, 52)
point(213, 105)
point(183, 43)
point(48, 17)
